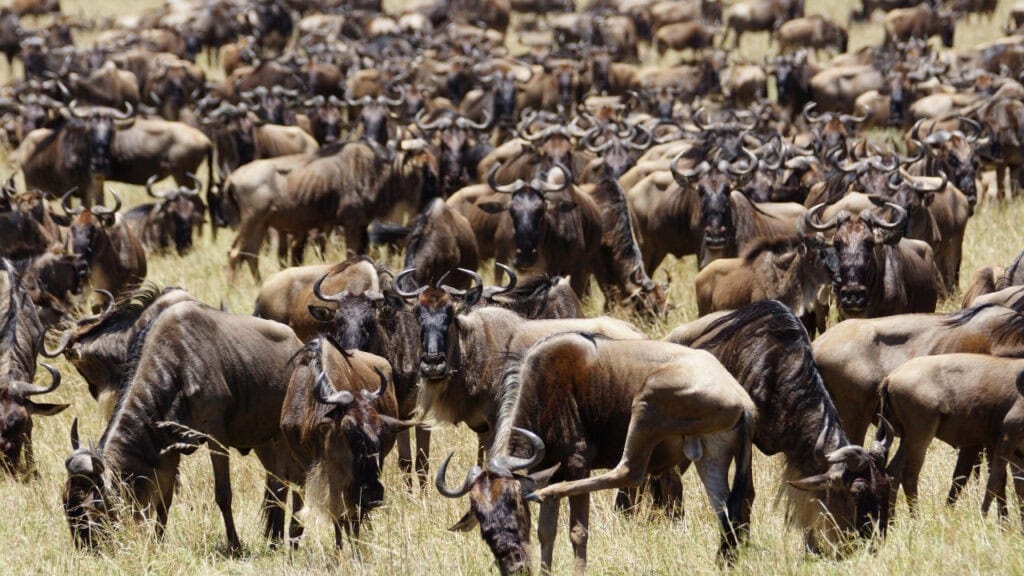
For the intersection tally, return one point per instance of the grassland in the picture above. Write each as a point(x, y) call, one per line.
point(409, 534)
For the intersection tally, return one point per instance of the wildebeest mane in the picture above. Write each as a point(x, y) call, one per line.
point(618, 229)
point(9, 304)
point(125, 311)
point(964, 316)
point(1014, 270)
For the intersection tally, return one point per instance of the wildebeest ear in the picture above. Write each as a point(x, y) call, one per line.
point(45, 409)
point(565, 206)
point(883, 236)
point(321, 313)
point(538, 479)
point(816, 483)
point(928, 198)
point(492, 207)
point(392, 299)
point(466, 523)
point(394, 425)
point(472, 297)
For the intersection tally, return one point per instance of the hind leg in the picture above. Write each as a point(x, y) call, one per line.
point(966, 462)
point(423, 456)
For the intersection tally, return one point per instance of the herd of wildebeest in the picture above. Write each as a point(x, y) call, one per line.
point(567, 144)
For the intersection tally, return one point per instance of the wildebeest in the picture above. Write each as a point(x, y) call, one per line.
point(339, 419)
point(196, 375)
point(20, 334)
point(970, 401)
point(989, 279)
point(877, 272)
point(920, 21)
point(75, 155)
point(99, 236)
point(171, 219)
point(814, 31)
point(835, 485)
point(440, 240)
point(634, 406)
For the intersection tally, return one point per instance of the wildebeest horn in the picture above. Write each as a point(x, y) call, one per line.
point(921, 186)
point(975, 129)
point(512, 463)
point(429, 126)
point(512, 279)
point(373, 396)
point(883, 439)
point(856, 119)
point(124, 119)
point(68, 209)
point(812, 119)
point(749, 169)
point(196, 187)
point(331, 298)
point(649, 139)
point(543, 185)
point(467, 124)
point(393, 101)
point(103, 210)
point(326, 393)
point(73, 109)
point(503, 188)
point(398, 285)
point(149, 188)
point(315, 101)
point(461, 491)
point(683, 178)
point(361, 102)
point(878, 163)
point(24, 389)
point(695, 118)
point(812, 219)
point(901, 217)
point(477, 282)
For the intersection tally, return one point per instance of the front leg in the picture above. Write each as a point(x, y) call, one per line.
point(579, 530)
point(547, 527)
point(222, 494)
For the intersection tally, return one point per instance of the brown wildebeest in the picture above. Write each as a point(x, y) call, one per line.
point(172, 218)
point(812, 32)
point(98, 346)
point(970, 401)
point(854, 357)
point(878, 272)
point(339, 419)
point(199, 376)
point(635, 406)
point(116, 258)
point(989, 279)
point(441, 240)
point(835, 485)
point(20, 334)
point(921, 21)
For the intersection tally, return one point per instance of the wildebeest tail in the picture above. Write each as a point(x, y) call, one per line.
point(381, 233)
point(738, 505)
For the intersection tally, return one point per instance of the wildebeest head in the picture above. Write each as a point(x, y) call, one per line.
point(237, 124)
point(914, 194)
point(354, 323)
point(529, 208)
point(325, 118)
point(172, 86)
point(179, 209)
point(616, 150)
point(567, 79)
point(855, 239)
point(497, 503)
point(88, 225)
point(16, 411)
point(831, 130)
point(855, 489)
point(85, 493)
point(348, 428)
point(454, 135)
point(954, 152)
point(714, 184)
point(96, 128)
point(375, 113)
point(437, 316)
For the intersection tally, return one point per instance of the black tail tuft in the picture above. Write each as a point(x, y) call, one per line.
point(387, 233)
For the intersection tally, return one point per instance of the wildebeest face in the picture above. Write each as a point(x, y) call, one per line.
point(854, 244)
point(374, 118)
point(435, 313)
point(454, 143)
point(101, 137)
point(352, 443)
point(527, 209)
point(84, 231)
point(715, 211)
point(505, 99)
point(353, 324)
point(84, 498)
point(15, 428)
point(183, 215)
point(962, 166)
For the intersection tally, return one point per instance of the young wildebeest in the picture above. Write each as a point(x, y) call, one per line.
point(595, 400)
point(969, 401)
point(195, 375)
point(854, 357)
point(116, 258)
point(835, 485)
point(97, 346)
point(340, 430)
point(463, 351)
point(20, 333)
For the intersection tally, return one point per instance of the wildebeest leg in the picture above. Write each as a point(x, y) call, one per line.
point(1001, 170)
point(579, 529)
point(667, 493)
point(356, 238)
point(163, 507)
point(337, 534)
point(547, 528)
point(222, 494)
point(275, 495)
point(999, 456)
point(246, 246)
point(295, 528)
point(966, 461)
point(906, 466)
point(298, 248)
point(405, 456)
point(626, 499)
point(713, 468)
point(1016, 463)
point(423, 455)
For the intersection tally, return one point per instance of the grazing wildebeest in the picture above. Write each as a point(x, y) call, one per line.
point(116, 258)
point(339, 419)
point(835, 485)
point(989, 279)
point(635, 406)
point(970, 401)
point(855, 355)
point(878, 272)
point(20, 334)
point(97, 346)
point(196, 375)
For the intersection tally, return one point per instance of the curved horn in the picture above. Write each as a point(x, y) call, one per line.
point(975, 128)
point(646, 143)
point(812, 219)
point(751, 165)
point(512, 463)
point(381, 390)
point(331, 298)
point(883, 439)
point(807, 113)
point(477, 282)
point(68, 209)
point(197, 186)
point(325, 392)
point(393, 101)
point(461, 491)
point(503, 188)
point(74, 434)
point(922, 186)
point(149, 188)
point(512, 279)
point(544, 186)
point(103, 210)
point(683, 178)
point(435, 125)
point(901, 217)
point(467, 124)
point(25, 389)
point(398, 283)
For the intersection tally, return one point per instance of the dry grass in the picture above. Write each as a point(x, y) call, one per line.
point(409, 536)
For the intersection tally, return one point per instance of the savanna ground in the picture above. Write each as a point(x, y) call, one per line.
point(409, 535)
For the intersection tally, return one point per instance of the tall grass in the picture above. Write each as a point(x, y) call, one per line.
point(409, 533)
